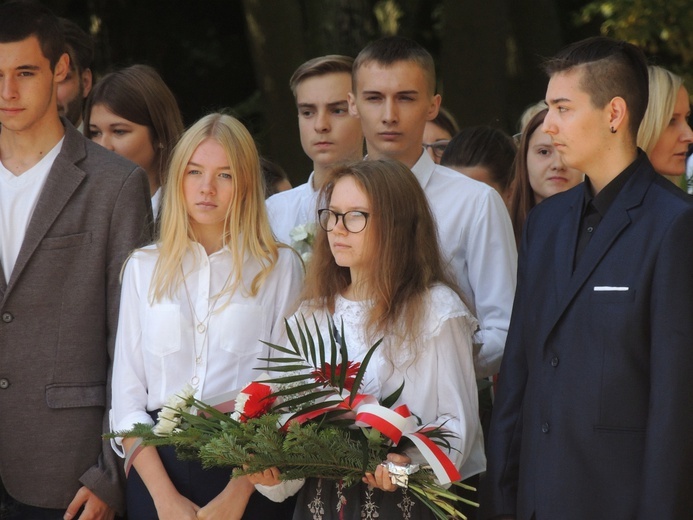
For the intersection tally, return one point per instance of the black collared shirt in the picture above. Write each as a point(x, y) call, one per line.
point(595, 206)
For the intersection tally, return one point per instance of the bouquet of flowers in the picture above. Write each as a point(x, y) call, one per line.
point(310, 421)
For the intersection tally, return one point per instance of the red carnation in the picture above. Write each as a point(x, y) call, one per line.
point(325, 377)
point(253, 401)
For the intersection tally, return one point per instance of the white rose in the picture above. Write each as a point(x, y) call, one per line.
point(299, 233)
point(169, 417)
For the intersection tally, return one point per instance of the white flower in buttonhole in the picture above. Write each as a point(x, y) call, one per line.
point(302, 238)
point(169, 417)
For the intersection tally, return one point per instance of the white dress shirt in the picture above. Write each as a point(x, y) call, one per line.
point(157, 343)
point(477, 238)
point(291, 208)
point(439, 385)
point(156, 202)
point(19, 195)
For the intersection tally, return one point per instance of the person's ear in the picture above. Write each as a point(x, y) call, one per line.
point(87, 82)
point(353, 110)
point(433, 108)
point(61, 68)
point(617, 112)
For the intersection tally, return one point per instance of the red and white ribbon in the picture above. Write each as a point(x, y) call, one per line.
point(398, 423)
point(393, 424)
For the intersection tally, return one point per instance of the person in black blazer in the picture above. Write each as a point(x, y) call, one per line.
point(594, 410)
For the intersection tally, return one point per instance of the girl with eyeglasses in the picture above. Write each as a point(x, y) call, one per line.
point(438, 132)
point(377, 270)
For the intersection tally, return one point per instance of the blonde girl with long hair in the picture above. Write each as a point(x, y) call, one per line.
point(194, 307)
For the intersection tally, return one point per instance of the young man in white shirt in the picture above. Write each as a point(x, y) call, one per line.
point(329, 136)
point(70, 213)
point(393, 94)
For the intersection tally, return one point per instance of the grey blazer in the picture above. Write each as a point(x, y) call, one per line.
point(58, 317)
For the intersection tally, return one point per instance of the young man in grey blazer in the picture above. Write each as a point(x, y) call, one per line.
point(70, 212)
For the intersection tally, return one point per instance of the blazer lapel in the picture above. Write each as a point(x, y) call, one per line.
point(612, 225)
point(566, 242)
point(61, 183)
point(3, 283)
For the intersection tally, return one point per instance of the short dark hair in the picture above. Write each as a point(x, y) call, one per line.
point(483, 146)
point(272, 174)
point(392, 49)
point(611, 68)
point(330, 64)
point(20, 20)
point(79, 45)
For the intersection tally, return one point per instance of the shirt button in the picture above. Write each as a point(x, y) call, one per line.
point(545, 427)
point(4, 384)
point(7, 317)
point(554, 361)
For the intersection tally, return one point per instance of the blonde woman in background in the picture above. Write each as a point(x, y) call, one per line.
point(664, 133)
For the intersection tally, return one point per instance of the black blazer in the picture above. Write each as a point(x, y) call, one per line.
point(594, 411)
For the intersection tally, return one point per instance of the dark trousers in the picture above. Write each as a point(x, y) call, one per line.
point(11, 509)
point(471, 512)
point(199, 485)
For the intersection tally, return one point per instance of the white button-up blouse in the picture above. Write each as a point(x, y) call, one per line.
point(161, 346)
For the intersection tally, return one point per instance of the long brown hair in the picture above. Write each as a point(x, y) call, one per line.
point(405, 257)
point(521, 193)
point(139, 94)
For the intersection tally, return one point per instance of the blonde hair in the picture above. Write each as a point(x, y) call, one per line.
point(529, 113)
point(246, 229)
point(664, 87)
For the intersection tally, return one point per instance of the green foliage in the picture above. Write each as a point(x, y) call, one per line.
point(325, 444)
point(662, 28)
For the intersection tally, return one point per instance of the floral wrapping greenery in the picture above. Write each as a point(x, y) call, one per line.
point(306, 422)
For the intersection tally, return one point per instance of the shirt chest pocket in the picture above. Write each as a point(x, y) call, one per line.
point(241, 328)
point(161, 329)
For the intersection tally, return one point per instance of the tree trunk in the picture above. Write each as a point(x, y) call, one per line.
point(275, 33)
point(473, 61)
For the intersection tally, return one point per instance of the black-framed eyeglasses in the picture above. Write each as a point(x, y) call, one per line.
point(353, 221)
point(438, 147)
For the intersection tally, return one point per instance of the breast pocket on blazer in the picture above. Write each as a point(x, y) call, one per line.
point(63, 242)
point(612, 296)
point(75, 395)
point(242, 328)
point(161, 329)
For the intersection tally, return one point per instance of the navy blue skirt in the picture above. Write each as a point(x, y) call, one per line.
point(199, 485)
